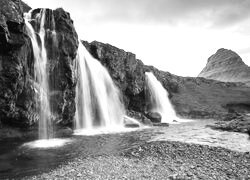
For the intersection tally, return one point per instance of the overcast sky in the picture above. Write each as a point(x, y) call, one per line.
point(174, 35)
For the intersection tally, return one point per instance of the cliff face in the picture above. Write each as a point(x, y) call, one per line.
point(225, 65)
point(17, 81)
point(126, 71)
point(16, 105)
point(191, 97)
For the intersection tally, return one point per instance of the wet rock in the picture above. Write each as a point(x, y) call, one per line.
point(18, 87)
point(154, 117)
point(63, 132)
point(234, 122)
point(63, 72)
point(161, 124)
point(126, 71)
point(130, 122)
point(132, 125)
point(16, 90)
point(140, 117)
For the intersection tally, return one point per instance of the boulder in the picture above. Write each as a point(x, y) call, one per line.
point(140, 117)
point(155, 117)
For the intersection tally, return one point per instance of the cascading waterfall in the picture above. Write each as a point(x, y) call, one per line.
point(41, 72)
point(158, 99)
point(98, 99)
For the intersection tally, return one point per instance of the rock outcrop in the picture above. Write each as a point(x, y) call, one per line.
point(226, 65)
point(236, 123)
point(191, 97)
point(17, 81)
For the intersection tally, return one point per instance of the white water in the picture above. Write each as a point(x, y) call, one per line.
point(47, 143)
point(159, 101)
point(41, 74)
point(98, 100)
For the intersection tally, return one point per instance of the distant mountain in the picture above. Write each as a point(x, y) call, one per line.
point(226, 65)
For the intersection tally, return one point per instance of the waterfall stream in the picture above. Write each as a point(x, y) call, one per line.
point(98, 99)
point(158, 99)
point(40, 73)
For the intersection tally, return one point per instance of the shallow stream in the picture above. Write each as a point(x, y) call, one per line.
point(17, 160)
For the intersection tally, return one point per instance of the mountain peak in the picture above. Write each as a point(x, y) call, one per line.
point(226, 65)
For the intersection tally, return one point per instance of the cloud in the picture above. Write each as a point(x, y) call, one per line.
point(214, 13)
point(217, 13)
point(244, 50)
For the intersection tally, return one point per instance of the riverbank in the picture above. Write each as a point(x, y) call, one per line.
point(234, 123)
point(157, 160)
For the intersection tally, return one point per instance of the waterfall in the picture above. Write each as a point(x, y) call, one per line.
point(98, 99)
point(40, 72)
point(158, 99)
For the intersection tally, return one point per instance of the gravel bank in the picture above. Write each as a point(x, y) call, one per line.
point(158, 160)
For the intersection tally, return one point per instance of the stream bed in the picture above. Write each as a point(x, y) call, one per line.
point(17, 160)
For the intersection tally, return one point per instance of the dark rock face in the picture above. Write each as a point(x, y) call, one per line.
point(16, 91)
point(191, 97)
point(63, 74)
point(126, 71)
point(17, 87)
point(226, 65)
point(61, 52)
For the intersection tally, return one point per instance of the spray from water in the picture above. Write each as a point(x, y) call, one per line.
point(158, 99)
point(98, 99)
point(40, 72)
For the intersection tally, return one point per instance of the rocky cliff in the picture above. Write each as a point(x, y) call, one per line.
point(17, 81)
point(226, 65)
point(191, 97)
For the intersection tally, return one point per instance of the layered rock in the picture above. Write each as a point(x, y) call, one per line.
point(17, 81)
point(226, 65)
point(191, 97)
